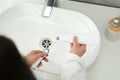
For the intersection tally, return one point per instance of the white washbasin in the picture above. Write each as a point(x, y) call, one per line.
point(5, 4)
point(25, 25)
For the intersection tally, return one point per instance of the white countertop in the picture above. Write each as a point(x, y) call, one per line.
point(107, 65)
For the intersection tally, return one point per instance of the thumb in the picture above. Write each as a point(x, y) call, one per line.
point(75, 41)
point(40, 54)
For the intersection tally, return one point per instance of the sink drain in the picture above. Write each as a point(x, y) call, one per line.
point(45, 42)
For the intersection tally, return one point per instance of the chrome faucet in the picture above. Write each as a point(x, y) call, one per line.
point(48, 7)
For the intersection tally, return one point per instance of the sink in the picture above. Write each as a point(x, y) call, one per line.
point(4, 4)
point(26, 27)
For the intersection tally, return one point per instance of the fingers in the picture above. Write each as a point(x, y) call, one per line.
point(40, 64)
point(41, 54)
point(71, 45)
point(83, 47)
point(75, 41)
point(36, 51)
point(45, 59)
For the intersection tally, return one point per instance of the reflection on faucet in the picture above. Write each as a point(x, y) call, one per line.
point(48, 6)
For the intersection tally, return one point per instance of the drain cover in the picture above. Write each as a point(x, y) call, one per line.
point(45, 42)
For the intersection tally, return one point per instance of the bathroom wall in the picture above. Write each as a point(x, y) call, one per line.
point(107, 64)
point(29, 1)
point(115, 3)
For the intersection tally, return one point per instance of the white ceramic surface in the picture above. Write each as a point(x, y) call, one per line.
point(25, 25)
point(4, 4)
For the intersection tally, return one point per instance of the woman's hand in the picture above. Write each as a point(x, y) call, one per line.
point(32, 56)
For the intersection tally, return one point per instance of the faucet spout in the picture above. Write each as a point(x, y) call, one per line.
point(48, 7)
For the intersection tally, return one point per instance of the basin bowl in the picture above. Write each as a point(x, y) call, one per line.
point(26, 27)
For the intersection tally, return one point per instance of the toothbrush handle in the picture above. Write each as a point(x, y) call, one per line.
point(37, 62)
point(34, 66)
